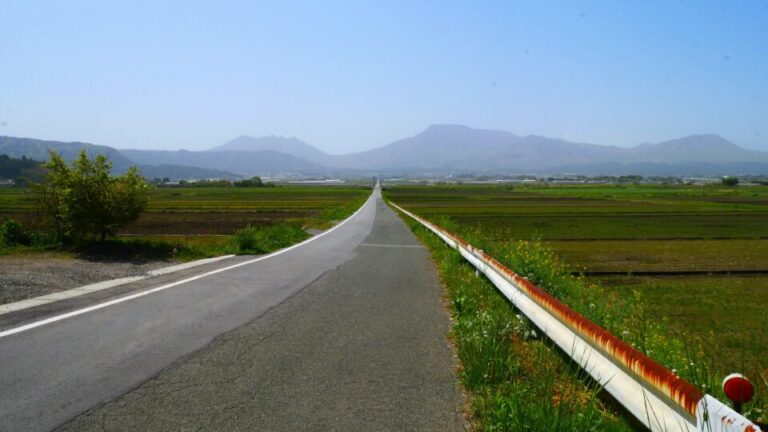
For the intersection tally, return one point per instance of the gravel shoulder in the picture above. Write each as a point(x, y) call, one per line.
point(24, 277)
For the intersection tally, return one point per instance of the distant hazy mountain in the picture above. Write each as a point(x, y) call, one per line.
point(445, 149)
point(38, 150)
point(695, 148)
point(454, 147)
point(247, 163)
point(290, 146)
point(438, 150)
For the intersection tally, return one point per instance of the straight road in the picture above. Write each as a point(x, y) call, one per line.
point(345, 332)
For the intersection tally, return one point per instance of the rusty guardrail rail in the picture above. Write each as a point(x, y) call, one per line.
point(658, 398)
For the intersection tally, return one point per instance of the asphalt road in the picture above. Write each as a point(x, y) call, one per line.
point(346, 332)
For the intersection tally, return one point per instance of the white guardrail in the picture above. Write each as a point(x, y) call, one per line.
point(657, 397)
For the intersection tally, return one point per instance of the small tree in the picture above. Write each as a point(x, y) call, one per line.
point(730, 181)
point(85, 199)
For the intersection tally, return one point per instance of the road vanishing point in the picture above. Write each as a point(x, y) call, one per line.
point(346, 331)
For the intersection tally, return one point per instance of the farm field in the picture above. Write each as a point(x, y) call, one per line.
point(196, 222)
point(664, 256)
point(725, 312)
point(217, 210)
point(694, 258)
point(587, 213)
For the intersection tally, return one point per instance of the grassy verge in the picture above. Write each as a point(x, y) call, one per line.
point(493, 350)
point(515, 379)
point(130, 249)
point(265, 239)
point(329, 215)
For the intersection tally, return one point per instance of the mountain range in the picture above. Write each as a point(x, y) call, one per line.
point(38, 150)
point(439, 150)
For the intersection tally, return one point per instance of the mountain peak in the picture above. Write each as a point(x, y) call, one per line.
point(446, 126)
point(710, 148)
point(288, 145)
point(457, 131)
point(251, 143)
point(701, 142)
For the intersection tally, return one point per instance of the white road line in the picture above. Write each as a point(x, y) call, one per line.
point(391, 245)
point(77, 312)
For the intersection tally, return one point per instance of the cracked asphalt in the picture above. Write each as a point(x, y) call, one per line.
point(358, 342)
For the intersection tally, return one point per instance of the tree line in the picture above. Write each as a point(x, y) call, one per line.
point(22, 171)
point(255, 181)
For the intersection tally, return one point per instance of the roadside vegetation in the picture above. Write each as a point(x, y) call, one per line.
point(699, 325)
point(515, 379)
point(259, 240)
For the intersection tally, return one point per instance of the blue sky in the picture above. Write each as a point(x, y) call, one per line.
point(354, 75)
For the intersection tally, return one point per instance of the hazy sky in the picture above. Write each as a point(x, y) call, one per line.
point(353, 75)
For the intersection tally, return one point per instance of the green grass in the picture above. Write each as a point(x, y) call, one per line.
point(265, 239)
point(725, 314)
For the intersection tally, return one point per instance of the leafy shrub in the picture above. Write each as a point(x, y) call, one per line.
point(267, 238)
point(13, 234)
point(84, 199)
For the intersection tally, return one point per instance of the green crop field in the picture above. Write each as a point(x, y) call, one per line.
point(198, 221)
point(664, 256)
point(215, 210)
point(692, 259)
point(725, 312)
